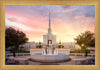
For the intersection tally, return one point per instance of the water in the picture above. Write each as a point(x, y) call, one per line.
point(49, 51)
point(52, 54)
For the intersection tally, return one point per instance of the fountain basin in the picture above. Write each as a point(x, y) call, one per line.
point(49, 58)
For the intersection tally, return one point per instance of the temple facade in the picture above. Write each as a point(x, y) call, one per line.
point(49, 38)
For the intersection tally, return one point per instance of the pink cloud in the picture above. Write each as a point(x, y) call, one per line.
point(29, 22)
point(33, 28)
point(13, 19)
point(68, 9)
point(57, 9)
point(36, 27)
point(71, 28)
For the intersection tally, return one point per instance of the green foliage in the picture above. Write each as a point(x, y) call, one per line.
point(21, 48)
point(60, 46)
point(85, 40)
point(20, 51)
point(80, 51)
point(59, 42)
point(39, 42)
point(38, 46)
point(14, 37)
point(13, 48)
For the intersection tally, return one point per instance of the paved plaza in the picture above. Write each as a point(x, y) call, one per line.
point(29, 62)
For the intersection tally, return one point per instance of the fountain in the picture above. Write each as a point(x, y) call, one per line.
point(50, 50)
point(49, 53)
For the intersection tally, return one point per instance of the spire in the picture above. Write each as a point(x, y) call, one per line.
point(49, 21)
point(49, 29)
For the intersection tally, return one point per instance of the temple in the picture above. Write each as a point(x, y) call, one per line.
point(49, 38)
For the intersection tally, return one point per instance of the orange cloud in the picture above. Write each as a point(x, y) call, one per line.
point(36, 26)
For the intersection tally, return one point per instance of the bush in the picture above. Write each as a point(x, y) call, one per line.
point(80, 51)
point(20, 51)
point(38, 46)
point(60, 46)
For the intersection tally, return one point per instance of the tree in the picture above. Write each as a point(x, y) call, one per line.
point(14, 38)
point(85, 40)
point(39, 46)
point(60, 45)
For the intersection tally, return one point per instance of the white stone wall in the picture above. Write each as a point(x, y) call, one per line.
point(47, 37)
point(54, 39)
point(71, 46)
point(28, 46)
point(44, 39)
point(34, 51)
point(63, 51)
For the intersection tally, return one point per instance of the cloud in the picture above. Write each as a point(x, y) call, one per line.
point(57, 9)
point(66, 21)
point(17, 25)
point(66, 6)
point(73, 27)
point(69, 10)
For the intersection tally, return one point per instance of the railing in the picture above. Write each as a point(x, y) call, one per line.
point(64, 51)
point(17, 54)
point(33, 51)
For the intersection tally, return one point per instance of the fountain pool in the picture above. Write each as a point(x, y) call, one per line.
point(61, 55)
point(45, 54)
point(49, 58)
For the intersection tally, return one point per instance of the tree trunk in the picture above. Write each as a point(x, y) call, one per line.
point(15, 49)
point(86, 53)
point(14, 54)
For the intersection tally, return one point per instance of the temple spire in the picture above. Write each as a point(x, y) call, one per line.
point(49, 21)
point(49, 29)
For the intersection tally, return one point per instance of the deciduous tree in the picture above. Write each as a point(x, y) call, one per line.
point(14, 38)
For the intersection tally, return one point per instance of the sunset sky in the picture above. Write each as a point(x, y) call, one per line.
point(67, 21)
